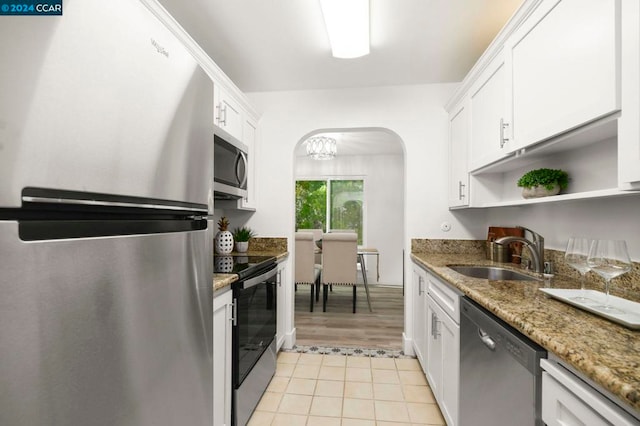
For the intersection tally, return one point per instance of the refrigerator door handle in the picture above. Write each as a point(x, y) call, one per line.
point(107, 204)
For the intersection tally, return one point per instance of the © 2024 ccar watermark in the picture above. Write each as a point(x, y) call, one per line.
point(30, 7)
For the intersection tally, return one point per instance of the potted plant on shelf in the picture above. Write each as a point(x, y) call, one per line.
point(224, 238)
point(242, 236)
point(543, 182)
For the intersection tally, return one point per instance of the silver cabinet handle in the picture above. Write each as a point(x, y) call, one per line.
point(434, 326)
point(225, 115)
point(222, 109)
point(234, 318)
point(420, 286)
point(486, 339)
point(461, 187)
point(503, 138)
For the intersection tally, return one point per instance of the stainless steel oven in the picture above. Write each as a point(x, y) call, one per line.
point(254, 332)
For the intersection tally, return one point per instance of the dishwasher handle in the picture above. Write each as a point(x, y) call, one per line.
point(486, 339)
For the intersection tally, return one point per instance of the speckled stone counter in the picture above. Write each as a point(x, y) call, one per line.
point(605, 352)
point(221, 281)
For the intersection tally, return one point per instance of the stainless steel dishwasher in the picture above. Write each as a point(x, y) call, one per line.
point(500, 375)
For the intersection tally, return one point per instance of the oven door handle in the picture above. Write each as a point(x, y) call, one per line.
point(260, 278)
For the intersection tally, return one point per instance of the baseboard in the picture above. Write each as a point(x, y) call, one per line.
point(407, 345)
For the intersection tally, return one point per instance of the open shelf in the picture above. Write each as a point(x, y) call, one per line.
point(600, 193)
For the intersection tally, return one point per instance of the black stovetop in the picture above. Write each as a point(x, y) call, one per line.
point(243, 266)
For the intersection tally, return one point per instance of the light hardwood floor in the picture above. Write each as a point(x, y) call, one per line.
point(339, 327)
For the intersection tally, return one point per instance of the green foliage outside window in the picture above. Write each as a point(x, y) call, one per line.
point(346, 205)
point(311, 204)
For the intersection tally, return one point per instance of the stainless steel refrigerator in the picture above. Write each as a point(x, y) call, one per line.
point(106, 172)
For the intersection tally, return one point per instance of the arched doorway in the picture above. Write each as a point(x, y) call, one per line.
point(372, 159)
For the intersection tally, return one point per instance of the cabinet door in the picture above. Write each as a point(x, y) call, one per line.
point(449, 334)
point(227, 113)
point(434, 350)
point(443, 360)
point(281, 328)
point(249, 139)
point(629, 121)
point(569, 401)
point(419, 315)
point(458, 161)
point(489, 128)
point(222, 316)
point(563, 68)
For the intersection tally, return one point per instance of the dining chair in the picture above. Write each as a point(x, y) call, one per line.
point(306, 270)
point(339, 262)
point(317, 236)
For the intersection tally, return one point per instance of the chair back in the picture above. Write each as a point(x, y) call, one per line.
point(317, 235)
point(339, 258)
point(304, 258)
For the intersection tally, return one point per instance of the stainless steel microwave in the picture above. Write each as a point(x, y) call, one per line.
point(230, 164)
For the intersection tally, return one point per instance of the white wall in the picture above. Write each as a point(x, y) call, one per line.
point(384, 204)
point(415, 113)
point(417, 116)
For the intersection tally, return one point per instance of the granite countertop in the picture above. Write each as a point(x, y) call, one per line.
point(221, 281)
point(607, 353)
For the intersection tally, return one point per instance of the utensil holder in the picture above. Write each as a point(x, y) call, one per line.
point(498, 252)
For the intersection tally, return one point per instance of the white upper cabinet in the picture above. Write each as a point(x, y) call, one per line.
point(249, 139)
point(489, 132)
point(564, 68)
point(227, 112)
point(559, 88)
point(458, 152)
point(629, 122)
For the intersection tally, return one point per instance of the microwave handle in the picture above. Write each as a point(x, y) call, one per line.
point(242, 180)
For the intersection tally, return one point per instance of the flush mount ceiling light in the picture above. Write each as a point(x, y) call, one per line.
point(347, 23)
point(321, 148)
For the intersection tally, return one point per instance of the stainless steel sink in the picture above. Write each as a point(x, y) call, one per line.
point(492, 273)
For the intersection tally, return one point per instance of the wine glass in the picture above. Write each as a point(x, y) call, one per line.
point(576, 256)
point(609, 259)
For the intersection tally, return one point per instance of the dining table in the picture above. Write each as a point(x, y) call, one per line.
point(362, 252)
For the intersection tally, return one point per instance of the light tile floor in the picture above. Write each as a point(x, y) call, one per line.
point(337, 390)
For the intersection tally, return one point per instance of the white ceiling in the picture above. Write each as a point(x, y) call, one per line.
point(267, 45)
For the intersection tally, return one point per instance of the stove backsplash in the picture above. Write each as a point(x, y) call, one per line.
point(268, 244)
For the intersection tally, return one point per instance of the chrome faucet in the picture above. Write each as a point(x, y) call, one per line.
point(535, 246)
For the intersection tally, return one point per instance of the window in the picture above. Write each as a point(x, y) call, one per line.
point(337, 202)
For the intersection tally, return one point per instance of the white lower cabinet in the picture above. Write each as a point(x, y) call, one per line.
point(281, 307)
point(222, 323)
point(569, 401)
point(436, 338)
point(443, 360)
point(420, 314)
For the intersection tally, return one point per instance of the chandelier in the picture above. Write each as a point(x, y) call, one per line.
point(321, 148)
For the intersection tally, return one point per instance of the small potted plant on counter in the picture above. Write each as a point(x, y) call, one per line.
point(242, 236)
point(543, 182)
